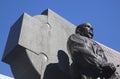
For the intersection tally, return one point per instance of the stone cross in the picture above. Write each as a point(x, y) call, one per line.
point(36, 47)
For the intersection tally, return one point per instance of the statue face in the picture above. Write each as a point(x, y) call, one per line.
point(88, 31)
point(85, 30)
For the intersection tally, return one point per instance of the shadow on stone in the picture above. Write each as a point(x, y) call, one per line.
point(58, 70)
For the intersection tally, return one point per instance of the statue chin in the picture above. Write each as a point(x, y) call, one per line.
point(89, 36)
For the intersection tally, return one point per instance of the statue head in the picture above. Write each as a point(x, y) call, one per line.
point(85, 29)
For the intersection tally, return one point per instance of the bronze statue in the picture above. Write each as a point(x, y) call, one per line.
point(89, 60)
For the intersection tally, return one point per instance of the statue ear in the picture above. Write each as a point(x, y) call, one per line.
point(77, 30)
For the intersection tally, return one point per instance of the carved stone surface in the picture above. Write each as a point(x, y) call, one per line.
point(34, 43)
point(36, 47)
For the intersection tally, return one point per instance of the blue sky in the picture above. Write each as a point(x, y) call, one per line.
point(104, 15)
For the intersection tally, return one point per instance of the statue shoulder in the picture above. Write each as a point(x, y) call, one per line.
point(76, 37)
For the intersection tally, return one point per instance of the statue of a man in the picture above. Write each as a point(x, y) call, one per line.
point(89, 60)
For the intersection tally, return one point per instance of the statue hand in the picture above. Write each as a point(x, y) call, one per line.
point(109, 67)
